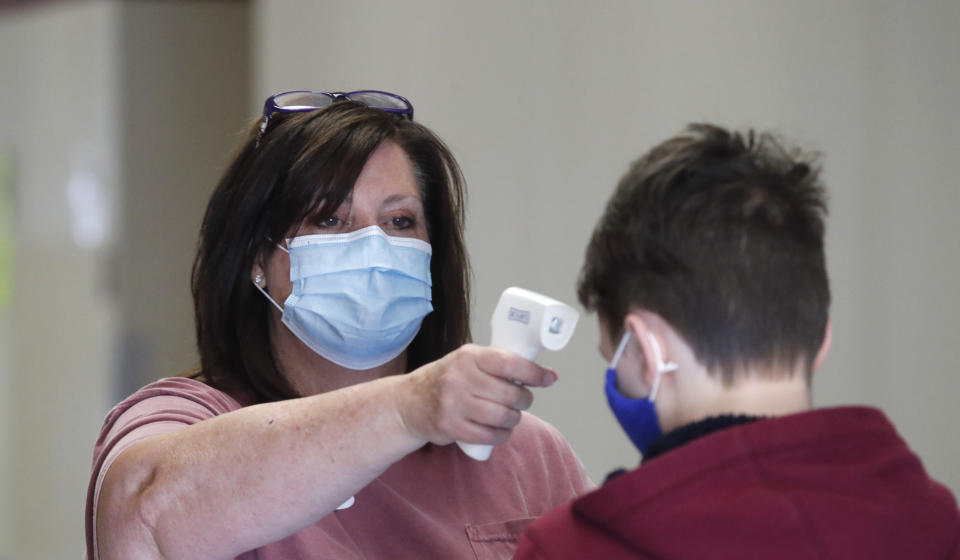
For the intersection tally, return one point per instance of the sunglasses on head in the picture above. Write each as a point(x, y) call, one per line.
point(299, 101)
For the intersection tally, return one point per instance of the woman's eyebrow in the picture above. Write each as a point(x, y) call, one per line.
point(395, 198)
point(404, 200)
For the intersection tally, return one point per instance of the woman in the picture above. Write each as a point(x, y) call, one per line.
point(331, 260)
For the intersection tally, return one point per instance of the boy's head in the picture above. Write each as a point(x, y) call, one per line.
point(721, 235)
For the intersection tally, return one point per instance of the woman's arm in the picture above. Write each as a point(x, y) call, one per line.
point(244, 479)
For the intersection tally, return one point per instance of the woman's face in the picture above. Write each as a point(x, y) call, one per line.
point(386, 194)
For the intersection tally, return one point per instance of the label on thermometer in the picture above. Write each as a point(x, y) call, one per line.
point(518, 315)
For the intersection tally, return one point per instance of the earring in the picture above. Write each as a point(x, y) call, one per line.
point(258, 279)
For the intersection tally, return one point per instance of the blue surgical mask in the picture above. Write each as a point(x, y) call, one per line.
point(637, 417)
point(358, 298)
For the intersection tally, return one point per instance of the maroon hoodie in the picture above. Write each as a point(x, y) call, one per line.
point(827, 483)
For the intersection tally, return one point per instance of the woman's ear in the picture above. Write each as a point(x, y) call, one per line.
point(257, 275)
point(258, 271)
point(824, 346)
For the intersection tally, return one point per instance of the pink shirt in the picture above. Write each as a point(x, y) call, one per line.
point(434, 503)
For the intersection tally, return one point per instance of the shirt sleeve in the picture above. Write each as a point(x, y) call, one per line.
point(581, 482)
point(562, 457)
point(550, 472)
point(162, 407)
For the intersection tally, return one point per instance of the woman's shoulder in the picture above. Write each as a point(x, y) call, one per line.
point(540, 449)
point(172, 401)
point(186, 388)
point(532, 428)
point(170, 394)
point(534, 434)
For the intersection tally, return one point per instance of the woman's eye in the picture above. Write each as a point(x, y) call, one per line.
point(402, 222)
point(330, 222)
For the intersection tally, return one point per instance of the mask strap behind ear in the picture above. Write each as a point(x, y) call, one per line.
point(661, 367)
point(264, 292)
point(257, 286)
point(279, 246)
point(620, 348)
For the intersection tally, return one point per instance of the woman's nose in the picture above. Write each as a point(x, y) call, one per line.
point(360, 223)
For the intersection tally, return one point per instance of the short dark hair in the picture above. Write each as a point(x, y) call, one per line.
point(304, 165)
point(721, 234)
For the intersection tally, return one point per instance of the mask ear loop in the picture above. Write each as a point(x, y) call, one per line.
point(620, 348)
point(661, 367)
point(280, 245)
point(264, 292)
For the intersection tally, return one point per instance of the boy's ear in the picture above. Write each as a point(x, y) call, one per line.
point(652, 343)
point(641, 333)
point(824, 346)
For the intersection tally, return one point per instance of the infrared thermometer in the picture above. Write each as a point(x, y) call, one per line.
point(524, 323)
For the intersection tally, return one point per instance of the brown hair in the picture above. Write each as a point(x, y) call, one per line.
point(305, 164)
point(721, 234)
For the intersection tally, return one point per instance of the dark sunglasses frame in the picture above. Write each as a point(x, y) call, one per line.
point(392, 103)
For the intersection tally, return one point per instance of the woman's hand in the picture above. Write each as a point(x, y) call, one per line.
point(473, 394)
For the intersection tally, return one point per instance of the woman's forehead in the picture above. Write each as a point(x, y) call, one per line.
point(387, 172)
point(378, 199)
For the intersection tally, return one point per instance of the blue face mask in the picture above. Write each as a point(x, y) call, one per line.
point(358, 298)
point(637, 417)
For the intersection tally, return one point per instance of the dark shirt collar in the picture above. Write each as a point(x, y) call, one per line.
point(689, 432)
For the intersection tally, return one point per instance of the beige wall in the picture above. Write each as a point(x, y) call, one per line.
point(59, 334)
point(118, 117)
point(546, 102)
point(185, 98)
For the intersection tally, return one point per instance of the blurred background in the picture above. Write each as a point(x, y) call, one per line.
point(116, 119)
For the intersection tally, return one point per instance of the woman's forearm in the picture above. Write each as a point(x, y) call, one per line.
point(256, 475)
